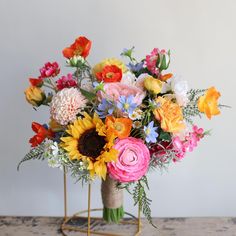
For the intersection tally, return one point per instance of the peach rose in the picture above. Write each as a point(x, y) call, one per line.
point(170, 115)
point(113, 91)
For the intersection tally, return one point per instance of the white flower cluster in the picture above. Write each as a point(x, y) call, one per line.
point(54, 155)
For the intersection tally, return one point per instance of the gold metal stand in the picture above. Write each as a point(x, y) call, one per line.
point(65, 226)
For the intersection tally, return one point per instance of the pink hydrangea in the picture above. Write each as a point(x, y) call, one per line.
point(189, 143)
point(133, 160)
point(66, 82)
point(50, 70)
point(113, 91)
point(66, 104)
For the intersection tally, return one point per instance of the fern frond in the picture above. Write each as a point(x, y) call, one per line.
point(34, 153)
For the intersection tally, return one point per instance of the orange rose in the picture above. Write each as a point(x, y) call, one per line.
point(208, 103)
point(121, 127)
point(80, 47)
point(170, 115)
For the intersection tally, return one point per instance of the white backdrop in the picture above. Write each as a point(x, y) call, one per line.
point(201, 35)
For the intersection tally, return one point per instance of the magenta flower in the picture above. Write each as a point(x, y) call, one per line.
point(133, 160)
point(66, 82)
point(151, 61)
point(50, 70)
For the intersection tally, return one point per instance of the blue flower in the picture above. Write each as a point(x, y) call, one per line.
point(105, 108)
point(150, 133)
point(135, 67)
point(126, 104)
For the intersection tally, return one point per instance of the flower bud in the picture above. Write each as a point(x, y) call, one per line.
point(34, 95)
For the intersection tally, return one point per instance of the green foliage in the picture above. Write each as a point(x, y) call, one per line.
point(34, 153)
point(113, 215)
point(90, 96)
point(140, 198)
point(164, 136)
point(191, 110)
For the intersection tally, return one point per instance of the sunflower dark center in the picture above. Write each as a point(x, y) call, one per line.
point(91, 144)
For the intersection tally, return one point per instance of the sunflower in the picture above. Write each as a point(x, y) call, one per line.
point(89, 141)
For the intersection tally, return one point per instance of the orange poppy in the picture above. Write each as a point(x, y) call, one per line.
point(80, 47)
point(110, 73)
point(121, 127)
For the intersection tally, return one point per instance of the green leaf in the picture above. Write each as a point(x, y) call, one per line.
point(90, 96)
point(164, 136)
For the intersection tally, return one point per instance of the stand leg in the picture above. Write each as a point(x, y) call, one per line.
point(65, 193)
point(139, 218)
point(89, 201)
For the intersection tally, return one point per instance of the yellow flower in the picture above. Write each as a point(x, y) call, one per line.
point(108, 62)
point(153, 85)
point(208, 103)
point(170, 115)
point(34, 96)
point(87, 140)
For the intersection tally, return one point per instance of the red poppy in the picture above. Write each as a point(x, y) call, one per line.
point(41, 134)
point(80, 47)
point(110, 73)
point(37, 82)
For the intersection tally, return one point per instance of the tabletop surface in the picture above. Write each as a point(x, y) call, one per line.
point(50, 226)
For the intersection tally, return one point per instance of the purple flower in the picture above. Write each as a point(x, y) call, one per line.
point(135, 67)
point(150, 133)
point(127, 104)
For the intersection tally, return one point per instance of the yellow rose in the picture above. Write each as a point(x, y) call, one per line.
point(208, 103)
point(169, 114)
point(34, 96)
point(153, 85)
point(108, 62)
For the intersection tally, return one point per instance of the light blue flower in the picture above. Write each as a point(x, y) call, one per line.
point(127, 104)
point(105, 108)
point(150, 133)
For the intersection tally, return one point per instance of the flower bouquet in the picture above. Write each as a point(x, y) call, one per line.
point(116, 121)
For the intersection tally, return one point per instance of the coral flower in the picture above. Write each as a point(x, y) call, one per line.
point(169, 114)
point(121, 127)
point(41, 133)
point(110, 73)
point(108, 62)
point(80, 47)
point(37, 82)
point(208, 103)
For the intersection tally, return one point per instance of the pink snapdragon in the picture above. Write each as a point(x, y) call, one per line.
point(50, 70)
point(66, 82)
point(188, 143)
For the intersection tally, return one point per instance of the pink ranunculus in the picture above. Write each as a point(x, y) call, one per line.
point(116, 89)
point(50, 70)
point(66, 82)
point(133, 160)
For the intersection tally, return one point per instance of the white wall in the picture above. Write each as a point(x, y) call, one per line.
point(201, 35)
